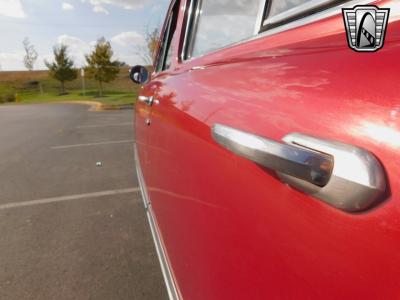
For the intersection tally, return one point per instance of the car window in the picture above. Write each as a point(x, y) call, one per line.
point(280, 6)
point(166, 50)
point(223, 22)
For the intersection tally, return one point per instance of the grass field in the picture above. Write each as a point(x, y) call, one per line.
point(37, 87)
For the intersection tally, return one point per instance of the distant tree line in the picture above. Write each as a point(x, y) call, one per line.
point(100, 64)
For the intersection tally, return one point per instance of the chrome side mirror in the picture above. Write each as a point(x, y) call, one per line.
point(139, 74)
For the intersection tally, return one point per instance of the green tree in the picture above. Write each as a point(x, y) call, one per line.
point(101, 67)
point(62, 69)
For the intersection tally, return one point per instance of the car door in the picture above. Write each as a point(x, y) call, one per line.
point(147, 93)
point(146, 146)
point(249, 128)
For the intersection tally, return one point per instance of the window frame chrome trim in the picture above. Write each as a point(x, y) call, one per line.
point(192, 30)
point(170, 283)
point(326, 13)
point(298, 11)
point(164, 40)
point(165, 27)
point(188, 20)
point(261, 16)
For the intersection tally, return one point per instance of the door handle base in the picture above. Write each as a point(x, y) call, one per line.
point(358, 180)
point(344, 176)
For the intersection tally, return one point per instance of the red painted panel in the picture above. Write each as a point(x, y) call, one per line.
point(231, 229)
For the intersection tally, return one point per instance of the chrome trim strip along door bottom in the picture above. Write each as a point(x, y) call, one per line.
point(162, 257)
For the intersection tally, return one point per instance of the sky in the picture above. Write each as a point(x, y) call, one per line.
point(78, 24)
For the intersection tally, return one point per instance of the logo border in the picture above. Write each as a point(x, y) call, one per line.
point(347, 31)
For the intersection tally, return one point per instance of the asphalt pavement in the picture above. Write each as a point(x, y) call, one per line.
point(72, 223)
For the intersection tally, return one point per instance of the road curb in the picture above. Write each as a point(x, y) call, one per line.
point(98, 106)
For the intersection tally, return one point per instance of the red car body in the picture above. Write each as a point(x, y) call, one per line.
point(228, 229)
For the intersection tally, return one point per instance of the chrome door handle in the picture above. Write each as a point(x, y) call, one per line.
point(310, 166)
point(344, 176)
point(147, 100)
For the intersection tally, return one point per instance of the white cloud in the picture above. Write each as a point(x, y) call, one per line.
point(130, 59)
point(71, 41)
point(14, 61)
point(130, 38)
point(77, 48)
point(156, 7)
point(11, 56)
point(12, 8)
point(98, 5)
point(125, 47)
point(67, 6)
point(100, 9)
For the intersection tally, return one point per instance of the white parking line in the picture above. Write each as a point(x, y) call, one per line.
point(92, 144)
point(105, 125)
point(68, 198)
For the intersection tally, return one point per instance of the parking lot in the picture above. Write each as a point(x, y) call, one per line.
point(72, 223)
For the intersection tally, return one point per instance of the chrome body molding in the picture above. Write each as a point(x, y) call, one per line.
point(162, 257)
